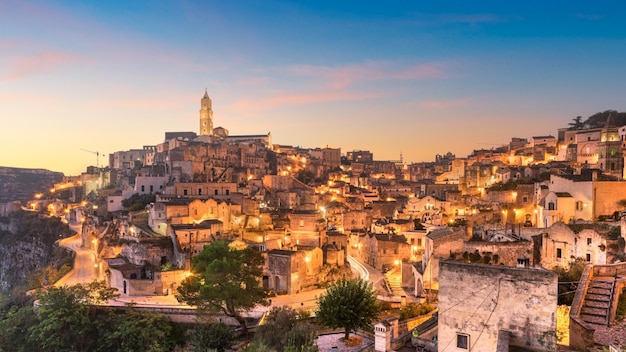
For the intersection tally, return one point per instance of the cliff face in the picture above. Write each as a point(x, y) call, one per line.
point(29, 251)
point(22, 184)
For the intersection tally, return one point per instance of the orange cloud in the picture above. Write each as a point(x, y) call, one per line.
point(341, 77)
point(25, 66)
point(444, 104)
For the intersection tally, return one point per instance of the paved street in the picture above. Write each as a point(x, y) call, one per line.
point(86, 266)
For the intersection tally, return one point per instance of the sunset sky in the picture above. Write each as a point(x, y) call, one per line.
point(413, 77)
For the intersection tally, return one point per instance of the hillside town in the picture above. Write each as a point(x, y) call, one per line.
point(477, 236)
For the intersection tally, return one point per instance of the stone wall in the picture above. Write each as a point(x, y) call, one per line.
point(507, 252)
point(480, 300)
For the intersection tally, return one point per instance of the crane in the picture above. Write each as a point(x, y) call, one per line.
point(97, 156)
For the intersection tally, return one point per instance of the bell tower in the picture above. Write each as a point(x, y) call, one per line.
point(206, 116)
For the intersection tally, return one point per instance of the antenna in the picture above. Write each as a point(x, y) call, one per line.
point(97, 156)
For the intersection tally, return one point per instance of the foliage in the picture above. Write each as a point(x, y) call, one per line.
point(349, 304)
point(577, 123)
point(64, 316)
point(213, 336)
point(499, 186)
point(599, 119)
point(70, 318)
point(284, 329)
point(225, 279)
point(568, 280)
point(15, 320)
point(459, 222)
point(620, 313)
point(417, 225)
point(138, 201)
point(132, 331)
point(412, 309)
point(614, 233)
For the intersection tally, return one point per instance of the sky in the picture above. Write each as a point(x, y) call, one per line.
point(410, 78)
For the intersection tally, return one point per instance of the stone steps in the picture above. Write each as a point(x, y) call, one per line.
point(394, 281)
point(597, 302)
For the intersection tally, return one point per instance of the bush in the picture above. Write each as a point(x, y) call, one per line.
point(620, 313)
point(412, 310)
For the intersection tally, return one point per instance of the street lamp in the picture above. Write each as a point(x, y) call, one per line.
point(399, 264)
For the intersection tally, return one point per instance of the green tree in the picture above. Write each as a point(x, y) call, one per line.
point(64, 316)
point(14, 324)
point(213, 336)
point(138, 201)
point(577, 123)
point(225, 280)
point(129, 331)
point(349, 304)
point(284, 329)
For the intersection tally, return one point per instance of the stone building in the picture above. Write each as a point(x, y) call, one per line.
point(561, 245)
point(290, 271)
point(190, 239)
point(307, 228)
point(440, 244)
point(380, 250)
point(495, 308)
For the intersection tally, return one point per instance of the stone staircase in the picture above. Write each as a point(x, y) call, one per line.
point(394, 282)
point(597, 303)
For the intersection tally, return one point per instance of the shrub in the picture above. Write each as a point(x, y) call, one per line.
point(412, 310)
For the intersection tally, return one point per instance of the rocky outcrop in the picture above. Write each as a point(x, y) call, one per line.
point(29, 244)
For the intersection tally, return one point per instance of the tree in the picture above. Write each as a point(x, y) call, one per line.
point(349, 304)
point(64, 316)
point(577, 123)
point(226, 280)
point(138, 201)
point(132, 331)
point(285, 329)
point(213, 336)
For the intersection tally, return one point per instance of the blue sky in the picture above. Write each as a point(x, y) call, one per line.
point(413, 77)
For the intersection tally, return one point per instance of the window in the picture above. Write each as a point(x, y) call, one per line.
point(199, 191)
point(215, 192)
point(551, 206)
point(151, 188)
point(462, 341)
point(589, 241)
point(227, 192)
point(301, 223)
point(143, 188)
point(579, 205)
point(559, 253)
point(419, 242)
point(184, 192)
point(588, 257)
point(524, 199)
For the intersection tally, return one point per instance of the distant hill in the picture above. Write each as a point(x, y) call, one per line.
point(21, 184)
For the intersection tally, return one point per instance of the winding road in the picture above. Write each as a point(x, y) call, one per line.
point(86, 266)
